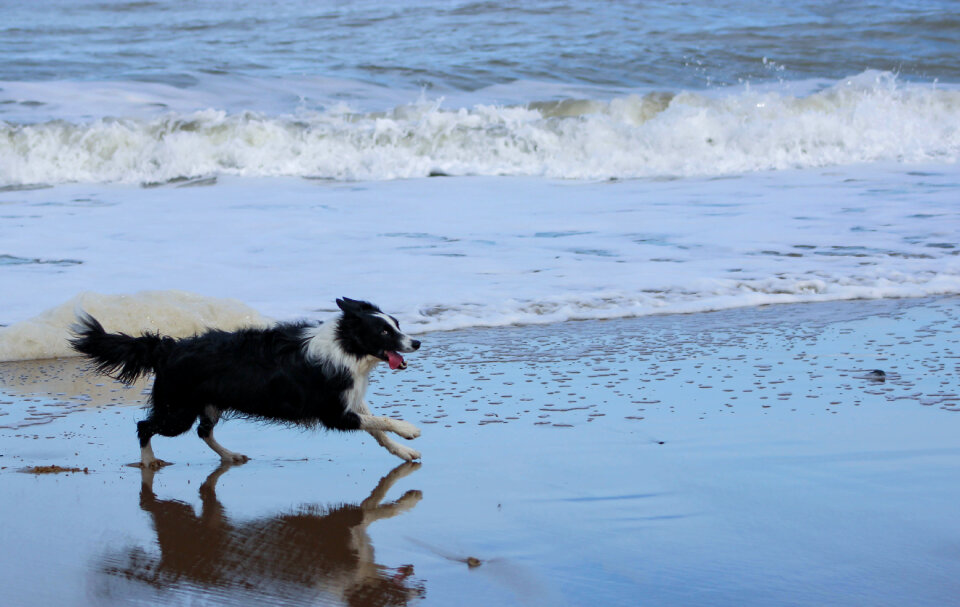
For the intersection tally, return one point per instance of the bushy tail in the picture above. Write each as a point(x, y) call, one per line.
point(118, 354)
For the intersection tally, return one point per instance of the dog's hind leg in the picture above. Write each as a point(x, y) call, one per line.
point(145, 431)
point(209, 418)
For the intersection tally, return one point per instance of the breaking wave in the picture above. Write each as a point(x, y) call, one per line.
point(867, 118)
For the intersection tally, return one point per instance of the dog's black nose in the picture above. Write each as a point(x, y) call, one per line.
point(415, 344)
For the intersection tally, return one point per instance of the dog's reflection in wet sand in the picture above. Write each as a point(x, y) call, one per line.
point(314, 554)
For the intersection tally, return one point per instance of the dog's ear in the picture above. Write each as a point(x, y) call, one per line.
point(353, 306)
point(345, 305)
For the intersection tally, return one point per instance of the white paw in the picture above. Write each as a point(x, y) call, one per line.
point(405, 453)
point(234, 458)
point(405, 429)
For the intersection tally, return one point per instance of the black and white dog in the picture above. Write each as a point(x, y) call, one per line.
point(305, 374)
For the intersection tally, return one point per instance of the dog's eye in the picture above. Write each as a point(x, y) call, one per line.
point(385, 332)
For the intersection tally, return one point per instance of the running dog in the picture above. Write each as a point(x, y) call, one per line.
point(299, 373)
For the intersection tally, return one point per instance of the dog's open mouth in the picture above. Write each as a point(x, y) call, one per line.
point(395, 360)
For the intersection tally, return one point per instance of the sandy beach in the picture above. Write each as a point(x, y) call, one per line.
point(744, 457)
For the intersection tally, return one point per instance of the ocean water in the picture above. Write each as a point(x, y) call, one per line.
point(174, 165)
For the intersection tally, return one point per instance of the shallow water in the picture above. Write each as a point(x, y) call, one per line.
point(744, 457)
point(446, 254)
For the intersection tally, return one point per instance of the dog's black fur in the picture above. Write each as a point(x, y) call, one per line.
point(297, 372)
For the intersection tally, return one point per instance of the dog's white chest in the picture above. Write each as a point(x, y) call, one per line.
point(355, 395)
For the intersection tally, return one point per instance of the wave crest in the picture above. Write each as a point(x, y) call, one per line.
point(868, 118)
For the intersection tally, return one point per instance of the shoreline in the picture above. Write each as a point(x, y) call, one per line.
point(68, 377)
point(188, 324)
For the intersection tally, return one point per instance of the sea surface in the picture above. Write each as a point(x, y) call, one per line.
point(179, 164)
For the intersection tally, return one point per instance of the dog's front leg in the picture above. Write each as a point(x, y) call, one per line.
point(378, 426)
point(384, 424)
point(402, 451)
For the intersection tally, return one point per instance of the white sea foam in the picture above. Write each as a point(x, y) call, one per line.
point(179, 314)
point(868, 118)
point(174, 313)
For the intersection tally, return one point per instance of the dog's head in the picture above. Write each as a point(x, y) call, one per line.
point(366, 331)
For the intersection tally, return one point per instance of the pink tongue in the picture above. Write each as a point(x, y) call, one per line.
point(394, 360)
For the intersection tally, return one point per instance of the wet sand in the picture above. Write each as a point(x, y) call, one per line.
point(745, 457)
